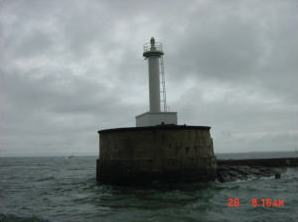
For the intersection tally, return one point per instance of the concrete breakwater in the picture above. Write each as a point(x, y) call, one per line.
point(232, 170)
point(272, 162)
point(165, 153)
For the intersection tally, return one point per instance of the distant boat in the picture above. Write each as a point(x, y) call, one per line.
point(69, 157)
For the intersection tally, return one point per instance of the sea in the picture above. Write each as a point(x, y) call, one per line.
point(65, 189)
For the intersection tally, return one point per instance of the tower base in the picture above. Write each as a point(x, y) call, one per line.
point(167, 153)
point(156, 118)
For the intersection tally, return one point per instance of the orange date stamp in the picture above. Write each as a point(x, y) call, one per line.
point(257, 202)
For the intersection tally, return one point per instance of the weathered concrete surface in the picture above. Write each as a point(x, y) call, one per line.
point(165, 153)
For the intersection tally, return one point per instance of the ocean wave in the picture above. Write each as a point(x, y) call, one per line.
point(15, 218)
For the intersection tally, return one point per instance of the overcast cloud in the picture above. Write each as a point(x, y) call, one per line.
point(69, 68)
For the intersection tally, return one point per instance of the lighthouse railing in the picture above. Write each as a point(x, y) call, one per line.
point(157, 45)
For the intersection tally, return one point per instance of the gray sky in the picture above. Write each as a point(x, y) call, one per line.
point(69, 68)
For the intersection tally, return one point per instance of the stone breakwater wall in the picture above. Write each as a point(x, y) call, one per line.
point(232, 170)
point(272, 162)
point(165, 153)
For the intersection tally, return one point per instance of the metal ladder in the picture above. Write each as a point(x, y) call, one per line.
point(163, 86)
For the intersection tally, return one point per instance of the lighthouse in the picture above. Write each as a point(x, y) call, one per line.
point(153, 56)
point(153, 53)
point(157, 149)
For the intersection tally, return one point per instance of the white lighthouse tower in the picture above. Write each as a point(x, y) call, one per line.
point(154, 54)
